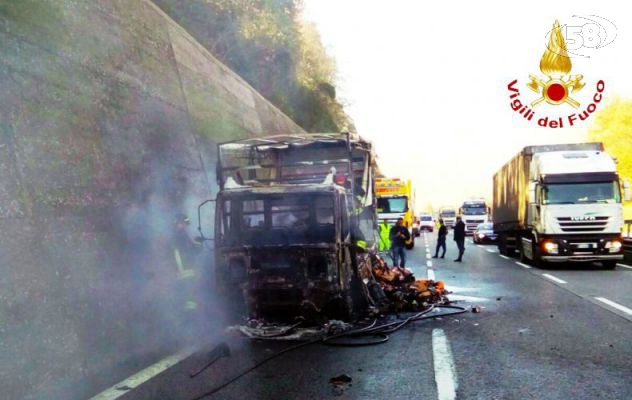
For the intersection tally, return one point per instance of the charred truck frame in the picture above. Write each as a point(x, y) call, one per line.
point(291, 214)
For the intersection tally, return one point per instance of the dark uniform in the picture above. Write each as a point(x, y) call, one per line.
point(459, 238)
point(443, 232)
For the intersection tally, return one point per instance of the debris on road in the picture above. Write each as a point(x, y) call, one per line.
point(340, 379)
point(340, 383)
point(476, 309)
point(260, 329)
point(386, 290)
point(403, 291)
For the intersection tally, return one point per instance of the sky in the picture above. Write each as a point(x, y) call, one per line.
point(426, 82)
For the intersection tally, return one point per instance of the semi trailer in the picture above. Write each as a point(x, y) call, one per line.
point(559, 203)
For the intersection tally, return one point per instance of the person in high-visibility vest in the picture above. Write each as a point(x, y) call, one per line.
point(385, 240)
point(184, 251)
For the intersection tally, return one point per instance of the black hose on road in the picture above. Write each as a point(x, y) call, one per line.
point(381, 332)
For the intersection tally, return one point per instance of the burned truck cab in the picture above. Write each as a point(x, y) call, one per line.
point(285, 250)
point(290, 216)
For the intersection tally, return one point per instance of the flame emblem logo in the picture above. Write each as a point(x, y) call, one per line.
point(556, 65)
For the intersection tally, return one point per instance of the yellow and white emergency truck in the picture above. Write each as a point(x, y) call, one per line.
point(395, 199)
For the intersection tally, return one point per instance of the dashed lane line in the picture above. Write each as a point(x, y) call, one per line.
point(444, 369)
point(610, 305)
point(490, 250)
point(614, 305)
point(505, 257)
point(553, 278)
point(431, 274)
point(141, 377)
point(429, 263)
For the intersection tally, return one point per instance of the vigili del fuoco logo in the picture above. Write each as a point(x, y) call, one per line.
point(556, 88)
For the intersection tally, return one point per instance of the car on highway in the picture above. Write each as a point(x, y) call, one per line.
point(416, 225)
point(426, 222)
point(484, 233)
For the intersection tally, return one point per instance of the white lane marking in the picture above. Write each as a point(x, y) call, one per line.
point(444, 370)
point(428, 255)
point(431, 274)
point(505, 257)
point(490, 250)
point(471, 299)
point(614, 305)
point(523, 265)
point(553, 278)
point(429, 263)
point(624, 266)
point(478, 245)
point(141, 377)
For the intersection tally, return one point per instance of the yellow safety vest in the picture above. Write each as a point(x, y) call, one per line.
point(385, 240)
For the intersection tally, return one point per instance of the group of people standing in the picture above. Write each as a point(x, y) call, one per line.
point(394, 240)
point(459, 238)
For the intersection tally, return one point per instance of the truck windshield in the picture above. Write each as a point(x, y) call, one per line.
point(448, 214)
point(392, 204)
point(580, 193)
point(278, 220)
point(426, 218)
point(474, 210)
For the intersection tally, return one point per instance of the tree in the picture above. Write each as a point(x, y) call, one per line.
point(268, 44)
point(613, 127)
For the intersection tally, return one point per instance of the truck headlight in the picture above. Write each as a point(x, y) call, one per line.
point(614, 246)
point(481, 235)
point(551, 247)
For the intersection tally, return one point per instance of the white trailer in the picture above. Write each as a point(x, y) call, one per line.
point(560, 203)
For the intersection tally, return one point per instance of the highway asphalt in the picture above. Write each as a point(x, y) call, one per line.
point(558, 333)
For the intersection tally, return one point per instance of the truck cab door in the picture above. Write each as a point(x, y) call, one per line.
point(533, 209)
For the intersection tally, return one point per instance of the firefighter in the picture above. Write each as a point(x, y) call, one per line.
point(385, 240)
point(185, 252)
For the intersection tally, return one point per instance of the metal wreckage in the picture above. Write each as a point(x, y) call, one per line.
point(295, 234)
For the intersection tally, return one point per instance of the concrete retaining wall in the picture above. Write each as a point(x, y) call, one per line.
point(109, 117)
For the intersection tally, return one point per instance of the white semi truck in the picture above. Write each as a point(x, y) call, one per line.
point(560, 203)
point(448, 215)
point(474, 212)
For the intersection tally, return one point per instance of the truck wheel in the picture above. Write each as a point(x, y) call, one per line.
point(538, 262)
point(502, 246)
point(523, 257)
point(609, 264)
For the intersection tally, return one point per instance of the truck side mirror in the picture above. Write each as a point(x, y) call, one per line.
point(627, 196)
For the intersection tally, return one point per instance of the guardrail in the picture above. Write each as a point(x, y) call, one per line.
point(627, 241)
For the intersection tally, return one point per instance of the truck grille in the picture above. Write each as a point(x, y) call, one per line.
point(475, 221)
point(567, 224)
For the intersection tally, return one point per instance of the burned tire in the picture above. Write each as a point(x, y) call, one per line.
point(523, 257)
